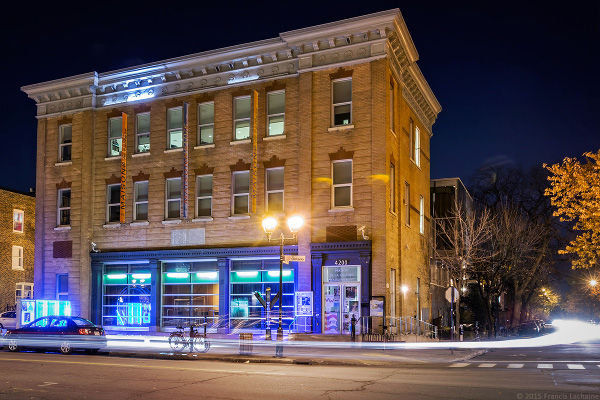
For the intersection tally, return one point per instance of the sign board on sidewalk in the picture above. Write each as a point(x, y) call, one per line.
point(288, 258)
point(304, 304)
point(449, 294)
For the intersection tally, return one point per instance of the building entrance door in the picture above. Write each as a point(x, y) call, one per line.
point(342, 302)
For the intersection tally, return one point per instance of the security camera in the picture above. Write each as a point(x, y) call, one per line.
point(94, 248)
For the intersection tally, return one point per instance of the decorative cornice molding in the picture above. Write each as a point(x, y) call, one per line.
point(240, 166)
point(63, 185)
point(112, 180)
point(173, 173)
point(341, 154)
point(140, 177)
point(204, 170)
point(274, 162)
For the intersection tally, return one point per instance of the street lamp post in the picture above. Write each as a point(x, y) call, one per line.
point(270, 223)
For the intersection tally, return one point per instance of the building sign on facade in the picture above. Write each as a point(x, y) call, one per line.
point(187, 237)
point(185, 182)
point(123, 168)
point(254, 167)
point(303, 304)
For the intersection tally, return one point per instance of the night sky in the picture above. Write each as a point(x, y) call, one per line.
point(518, 82)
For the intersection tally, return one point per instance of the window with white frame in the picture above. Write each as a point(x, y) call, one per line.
point(417, 150)
point(411, 133)
point(421, 215)
point(62, 286)
point(342, 102)
point(113, 202)
point(142, 132)
point(241, 118)
point(65, 138)
point(204, 187)
point(174, 128)
point(341, 172)
point(275, 113)
point(392, 106)
point(274, 185)
point(240, 192)
point(173, 198)
point(64, 207)
point(206, 123)
point(140, 201)
point(17, 257)
point(18, 220)
point(407, 203)
point(392, 187)
point(115, 133)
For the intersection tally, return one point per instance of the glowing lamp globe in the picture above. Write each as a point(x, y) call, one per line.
point(295, 222)
point(269, 224)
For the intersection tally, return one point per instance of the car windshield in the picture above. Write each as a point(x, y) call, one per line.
point(40, 323)
point(82, 321)
point(59, 323)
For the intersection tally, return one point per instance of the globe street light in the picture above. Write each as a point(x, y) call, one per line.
point(593, 282)
point(269, 224)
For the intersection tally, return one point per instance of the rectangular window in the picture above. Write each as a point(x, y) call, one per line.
point(392, 188)
point(341, 172)
point(174, 128)
point(142, 133)
point(274, 184)
point(241, 192)
point(173, 198)
point(407, 203)
point(62, 287)
point(204, 187)
point(140, 205)
point(17, 257)
point(417, 151)
point(115, 134)
point(126, 292)
point(342, 102)
point(65, 136)
point(392, 106)
point(421, 215)
point(113, 203)
point(411, 133)
point(64, 207)
point(206, 123)
point(275, 113)
point(18, 219)
point(241, 118)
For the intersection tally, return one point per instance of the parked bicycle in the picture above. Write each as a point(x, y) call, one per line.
point(195, 341)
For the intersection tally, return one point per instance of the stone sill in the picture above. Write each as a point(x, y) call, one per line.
point(112, 225)
point(178, 149)
point(112, 158)
point(234, 217)
point(340, 128)
point(244, 141)
point(202, 219)
point(340, 209)
point(146, 153)
point(140, 223)
point(205, 146)
point(171, 221)
point(276, 137)
point(60, 164)
point(62, 228)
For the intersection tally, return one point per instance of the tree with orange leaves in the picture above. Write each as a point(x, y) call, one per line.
point(575, 192)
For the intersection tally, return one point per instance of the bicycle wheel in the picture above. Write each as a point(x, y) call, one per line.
point(177, 342)
point(201, 344)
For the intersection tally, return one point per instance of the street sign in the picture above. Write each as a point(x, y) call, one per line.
point(288, 258)
point(449, 294)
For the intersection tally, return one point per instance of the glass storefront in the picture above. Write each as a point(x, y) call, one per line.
point(341, 297)
point(126, 290)
point(190, 293)
point(249, 276)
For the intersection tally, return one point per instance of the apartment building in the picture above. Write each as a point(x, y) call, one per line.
point(153, 182)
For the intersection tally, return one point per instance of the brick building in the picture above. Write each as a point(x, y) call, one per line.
point(332, 122)
point(17, 239)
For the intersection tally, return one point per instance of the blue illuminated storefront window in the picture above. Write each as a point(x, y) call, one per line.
point(126, 295)
point(248, 276)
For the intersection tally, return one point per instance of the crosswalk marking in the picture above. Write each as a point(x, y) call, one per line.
point(459, 365)
point(515, 365)
point(544, 366)
point(575, 366)
point(486, 365)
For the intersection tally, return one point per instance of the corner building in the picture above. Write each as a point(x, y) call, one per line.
point(332, 122)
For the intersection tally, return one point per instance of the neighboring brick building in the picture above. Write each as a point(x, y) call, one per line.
point(342, 117)
point(17, 239)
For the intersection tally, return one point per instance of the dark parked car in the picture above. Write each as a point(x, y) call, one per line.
point(529, 328)
point(64, 333)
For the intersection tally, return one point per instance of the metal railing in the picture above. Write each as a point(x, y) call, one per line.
point(397, 326)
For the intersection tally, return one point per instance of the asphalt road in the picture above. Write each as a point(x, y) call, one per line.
point(556, 372)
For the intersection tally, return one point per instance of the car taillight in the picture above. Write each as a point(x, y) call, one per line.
point(83, 331)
